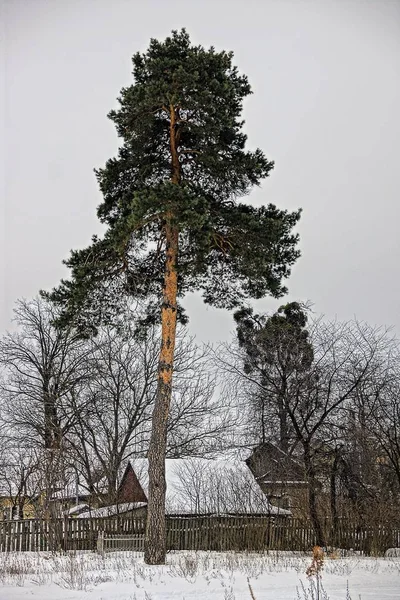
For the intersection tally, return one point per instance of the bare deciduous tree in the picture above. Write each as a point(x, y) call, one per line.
point(42, 366)
point(118, 399)
point(346, 358)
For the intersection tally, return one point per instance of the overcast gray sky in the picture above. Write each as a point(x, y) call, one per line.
point(326, 82)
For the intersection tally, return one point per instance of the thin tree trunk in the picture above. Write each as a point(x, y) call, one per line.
point(49, 416)
point(333, 493)
point(312, 498)
point(283, 426)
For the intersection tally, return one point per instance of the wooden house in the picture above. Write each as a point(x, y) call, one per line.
point(194, 486)
point(74, 499)
point(218, 486)
point(281, 477)
point(16, 507)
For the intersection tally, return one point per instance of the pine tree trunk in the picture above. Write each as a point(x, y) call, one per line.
point(155, 549)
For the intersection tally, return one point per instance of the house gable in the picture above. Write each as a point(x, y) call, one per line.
point(269, 463)
point(130, 489)
point(280, 477)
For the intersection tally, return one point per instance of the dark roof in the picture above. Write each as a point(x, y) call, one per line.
point(268, 462)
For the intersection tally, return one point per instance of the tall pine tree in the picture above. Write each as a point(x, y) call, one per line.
point(174, 223)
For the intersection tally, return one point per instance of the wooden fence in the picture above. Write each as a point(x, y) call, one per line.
point(117, 541)
point(62, 534)
point(220, 533)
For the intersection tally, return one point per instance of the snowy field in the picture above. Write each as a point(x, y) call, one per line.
point(189, 576)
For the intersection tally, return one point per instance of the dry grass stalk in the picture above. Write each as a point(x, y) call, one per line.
point(317, 562)
point(251, 590)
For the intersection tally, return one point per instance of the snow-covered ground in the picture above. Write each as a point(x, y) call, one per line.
point(189, 576)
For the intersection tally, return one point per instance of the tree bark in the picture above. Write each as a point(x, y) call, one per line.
point(155, 550)
point(333, 494)
point(283, 426)
point(312, 497)
point(155, 547)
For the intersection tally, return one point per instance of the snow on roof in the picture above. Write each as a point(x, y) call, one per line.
point(78, 508)
point(70, 489)
point(70, 492)
point(175, 468)
point(201, 485)
point(283, 482)
point(112, 510)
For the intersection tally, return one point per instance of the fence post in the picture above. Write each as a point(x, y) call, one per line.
point(100, 543)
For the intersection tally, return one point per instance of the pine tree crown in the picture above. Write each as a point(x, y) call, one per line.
point(185, 102)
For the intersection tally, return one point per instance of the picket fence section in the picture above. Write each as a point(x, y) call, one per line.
point(62, 534)
point(260, 533)
point(107, 542)
point(195, 532)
